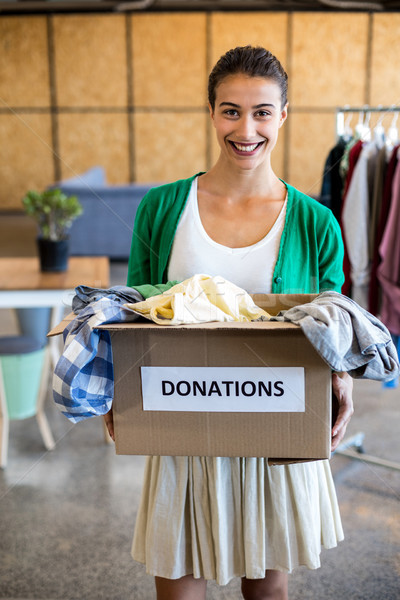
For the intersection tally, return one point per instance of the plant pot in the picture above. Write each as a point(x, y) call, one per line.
point(53, 256)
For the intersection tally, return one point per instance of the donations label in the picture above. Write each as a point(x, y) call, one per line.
point(223, 389)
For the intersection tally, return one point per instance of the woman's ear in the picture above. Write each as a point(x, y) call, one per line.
point(210, 108)
point(284, 114)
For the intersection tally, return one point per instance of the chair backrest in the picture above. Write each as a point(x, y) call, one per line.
point(21, 360)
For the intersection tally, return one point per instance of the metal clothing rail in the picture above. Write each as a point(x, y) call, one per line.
point(363, 111)
point(366, 108)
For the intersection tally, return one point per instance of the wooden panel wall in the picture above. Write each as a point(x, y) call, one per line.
point(129, 91)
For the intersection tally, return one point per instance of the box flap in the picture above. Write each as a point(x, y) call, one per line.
point(230, 326)
point(58, 329)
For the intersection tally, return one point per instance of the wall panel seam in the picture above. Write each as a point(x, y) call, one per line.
point(101, 109)
point(289, 50)
point(368, 59)
point(53, 99)
point(208, 69)
point(130, 109)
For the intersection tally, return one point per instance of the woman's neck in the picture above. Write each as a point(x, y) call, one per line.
point(238, 184)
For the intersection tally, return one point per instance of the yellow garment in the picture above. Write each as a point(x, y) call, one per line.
point(200, 299)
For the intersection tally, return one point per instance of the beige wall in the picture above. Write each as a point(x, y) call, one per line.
point(129, 91)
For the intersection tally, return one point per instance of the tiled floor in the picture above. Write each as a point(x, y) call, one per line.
point(67, 516)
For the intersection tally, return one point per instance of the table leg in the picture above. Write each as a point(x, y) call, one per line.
point(41, 418)
point(4, 424)
point(57, 313)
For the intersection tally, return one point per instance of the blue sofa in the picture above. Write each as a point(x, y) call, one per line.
point(105, 227)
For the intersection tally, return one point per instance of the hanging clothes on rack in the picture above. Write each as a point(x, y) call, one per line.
point(376, 197)
point(351, 161)
point(345, 162)
point(361, 163)
point(332, 181)
point(355, 221)
point(389, 269)
point(335, 169)
point(374, 298)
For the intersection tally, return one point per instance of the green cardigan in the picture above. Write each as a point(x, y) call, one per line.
point(310, 255)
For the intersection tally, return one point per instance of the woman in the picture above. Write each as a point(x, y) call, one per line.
point(217, 518)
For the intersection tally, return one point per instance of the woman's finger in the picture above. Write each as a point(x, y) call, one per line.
point(109, 421)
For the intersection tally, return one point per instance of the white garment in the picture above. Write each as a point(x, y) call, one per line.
point(221, 518)
point(192, 247)
point(355, 220)
point(200, 299)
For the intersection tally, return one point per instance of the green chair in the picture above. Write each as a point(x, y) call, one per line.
point(24, 368)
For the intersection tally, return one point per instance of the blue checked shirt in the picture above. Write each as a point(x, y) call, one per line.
point(83, 380)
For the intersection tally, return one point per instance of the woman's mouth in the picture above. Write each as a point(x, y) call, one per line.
point(245, 149)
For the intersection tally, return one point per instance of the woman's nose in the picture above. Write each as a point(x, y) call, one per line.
point(246, 128)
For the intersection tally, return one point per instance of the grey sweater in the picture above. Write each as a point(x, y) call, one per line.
point(346, 336)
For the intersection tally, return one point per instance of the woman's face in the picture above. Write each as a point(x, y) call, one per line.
point(247, 117)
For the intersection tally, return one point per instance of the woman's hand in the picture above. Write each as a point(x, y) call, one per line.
point(342, 387)
point(109, 422)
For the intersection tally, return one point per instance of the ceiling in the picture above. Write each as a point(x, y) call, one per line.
point(66, 6)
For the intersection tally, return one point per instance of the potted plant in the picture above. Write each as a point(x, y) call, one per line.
point(54, 212)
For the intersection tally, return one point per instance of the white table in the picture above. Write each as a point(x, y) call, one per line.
point(57, 300)
point(23, 285)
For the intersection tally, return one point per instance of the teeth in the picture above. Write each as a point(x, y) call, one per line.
point(245, 148)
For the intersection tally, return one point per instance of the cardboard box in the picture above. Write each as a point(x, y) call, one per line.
point(298, 431)
point(300, 434)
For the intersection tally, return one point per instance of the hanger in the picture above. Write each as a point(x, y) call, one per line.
point(379, 132)
point(359, 128)
point(343, 129)
point(362, 129)
point(347, 130)
point(392, 138)
point(366, 137)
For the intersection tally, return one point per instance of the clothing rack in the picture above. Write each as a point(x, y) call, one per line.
point(356, 442)
point(364, 111)
point(353, 447)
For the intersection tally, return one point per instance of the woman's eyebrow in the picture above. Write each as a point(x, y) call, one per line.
point(264, 104)
point(229, 104)
point(238, 105)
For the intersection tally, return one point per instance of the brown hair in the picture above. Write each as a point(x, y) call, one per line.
point(251, 61)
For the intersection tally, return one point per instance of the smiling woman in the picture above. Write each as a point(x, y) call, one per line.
point(247, 117)
point(238, 517)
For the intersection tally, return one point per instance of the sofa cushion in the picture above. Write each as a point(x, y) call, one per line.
point(95, 177)
point(106, 224)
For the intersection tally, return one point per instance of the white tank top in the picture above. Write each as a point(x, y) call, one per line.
point(193, 251)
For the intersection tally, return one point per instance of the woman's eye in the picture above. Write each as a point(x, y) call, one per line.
point(231, 112)
point(262, 113)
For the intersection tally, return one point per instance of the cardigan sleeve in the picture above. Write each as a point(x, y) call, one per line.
point(310, 258)
point(139, 258)
point(140, 274)
point(331, 253)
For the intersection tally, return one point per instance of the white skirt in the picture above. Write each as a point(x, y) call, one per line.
point(221, 518)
